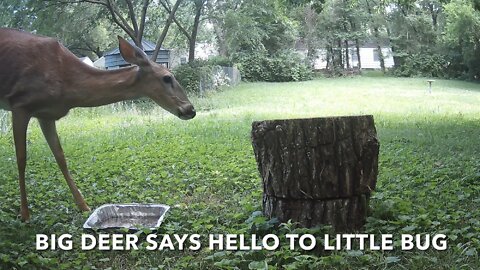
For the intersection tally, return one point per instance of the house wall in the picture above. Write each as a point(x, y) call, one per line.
point(176, 56)
point(100, 63)
point(87, 61)
point(367, 57)
point(202, 51)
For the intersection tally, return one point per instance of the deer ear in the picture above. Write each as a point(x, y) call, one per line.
point(132, 54)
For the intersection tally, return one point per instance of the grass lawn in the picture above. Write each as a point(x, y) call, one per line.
point(429, 176)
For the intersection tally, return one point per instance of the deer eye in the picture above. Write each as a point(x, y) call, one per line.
point(167, 79)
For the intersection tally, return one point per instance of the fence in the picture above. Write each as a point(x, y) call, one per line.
point(220, 76)
point(233, 74)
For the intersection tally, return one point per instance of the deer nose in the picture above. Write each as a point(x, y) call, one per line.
point(187, 112)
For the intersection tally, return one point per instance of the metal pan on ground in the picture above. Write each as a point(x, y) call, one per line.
point(130, 216)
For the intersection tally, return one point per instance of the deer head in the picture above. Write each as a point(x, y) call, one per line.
point(157, 82)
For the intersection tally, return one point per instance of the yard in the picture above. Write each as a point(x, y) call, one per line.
point(429, 175)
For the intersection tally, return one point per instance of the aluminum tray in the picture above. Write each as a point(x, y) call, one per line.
point(131, 216)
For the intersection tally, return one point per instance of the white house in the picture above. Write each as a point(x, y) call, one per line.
point(203, 50)
point(369, 57)
point(100, 63)
point(86, 60)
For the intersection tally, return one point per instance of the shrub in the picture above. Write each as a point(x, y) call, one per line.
point(220, 61)
point(423, 64)
point(188, 76)
point(199, 76)
point(284, 67)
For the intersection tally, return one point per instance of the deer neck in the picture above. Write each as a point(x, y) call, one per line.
point(100, 87)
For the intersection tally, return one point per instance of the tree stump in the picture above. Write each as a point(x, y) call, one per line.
point(317, 171)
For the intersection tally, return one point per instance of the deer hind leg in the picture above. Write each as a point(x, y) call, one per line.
point(50, 132)
point(20, 121)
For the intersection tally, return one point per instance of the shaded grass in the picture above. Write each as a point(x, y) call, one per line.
point(428, 179)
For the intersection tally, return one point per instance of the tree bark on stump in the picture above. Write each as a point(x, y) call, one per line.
point(317, 171)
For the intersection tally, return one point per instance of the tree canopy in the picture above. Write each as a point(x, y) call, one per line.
point(427, 37)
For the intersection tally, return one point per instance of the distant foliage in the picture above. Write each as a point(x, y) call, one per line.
point(220, 61)
point(429, 65)
point(199, 76)
point(188, 76)
point(462, 38)
point(284, 67)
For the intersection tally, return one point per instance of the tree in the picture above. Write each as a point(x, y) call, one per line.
point(410, 30)
point(81, 27)
point(197, 6)
point(219, 11)
point(462, 37)
point(310, 31)
point(166, 27)
point(129, 17)
point(375, 13)
point(248, 26)
point(333, 32)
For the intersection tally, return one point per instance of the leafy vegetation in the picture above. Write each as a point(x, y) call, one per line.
point(205, 169)
point(426, 38)
point(190, 75)
point(462, 37)
point(284, 67)
point(198, 76)
point(431, 65)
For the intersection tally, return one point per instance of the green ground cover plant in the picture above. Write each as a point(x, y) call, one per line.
point(429, 175)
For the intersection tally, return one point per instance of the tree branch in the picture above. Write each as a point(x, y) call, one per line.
point(66, 2)
point(182, 29)
point(122, 22)
point(162, 36)
point(143, 18)
point(133, 18)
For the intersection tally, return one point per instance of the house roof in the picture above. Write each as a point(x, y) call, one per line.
point(148, 46)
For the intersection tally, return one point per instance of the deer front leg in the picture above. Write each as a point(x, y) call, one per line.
point(20, 121)
point(50, 132)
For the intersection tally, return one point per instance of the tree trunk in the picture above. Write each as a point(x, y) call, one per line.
point(330, 58)
point(434, 14)
point(317, 171)
point(344, 214)
point(339, 64)
point(376, 34)
point(193, 36)
point(162, 36)
point(310, 37)
point(357, 46)
point(220, 34)
point(347, 58)
point(397, 61)
point(381, 57)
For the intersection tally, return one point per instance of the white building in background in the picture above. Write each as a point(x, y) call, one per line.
point(86, 60)
point(203, 50)
point(369, 57)
point(100, 63)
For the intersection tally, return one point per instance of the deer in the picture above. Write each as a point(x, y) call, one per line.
point(40, 78)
